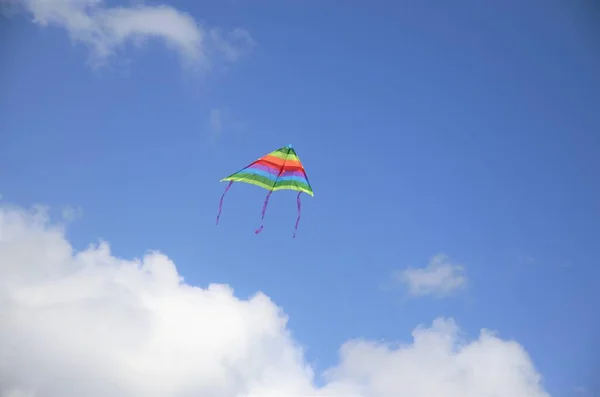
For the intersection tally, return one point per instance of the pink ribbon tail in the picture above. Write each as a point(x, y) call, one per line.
point(221, 201)
point(299, 204)
point(264, 209)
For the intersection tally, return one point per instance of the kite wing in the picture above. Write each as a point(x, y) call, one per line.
point(279, 170)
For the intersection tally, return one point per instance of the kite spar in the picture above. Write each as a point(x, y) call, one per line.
point(279, 170)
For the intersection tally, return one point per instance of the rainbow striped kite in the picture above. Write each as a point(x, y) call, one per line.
point(279, 170)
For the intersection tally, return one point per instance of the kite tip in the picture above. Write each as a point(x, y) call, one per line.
point(289, 146)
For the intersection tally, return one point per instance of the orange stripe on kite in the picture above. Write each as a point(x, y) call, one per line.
point(276, 161)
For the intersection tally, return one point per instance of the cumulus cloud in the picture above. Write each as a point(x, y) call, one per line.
point(106, 29)
point(87, 323)
point(440, 277)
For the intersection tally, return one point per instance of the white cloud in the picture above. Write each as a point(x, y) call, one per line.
point(106, 29)
point(91, 324)
point(440, 277)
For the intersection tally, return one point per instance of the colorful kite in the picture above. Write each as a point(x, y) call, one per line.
point(278, 170)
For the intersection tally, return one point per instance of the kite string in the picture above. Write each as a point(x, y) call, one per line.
point(299, 204)
point(221, 201)
point(264, 209)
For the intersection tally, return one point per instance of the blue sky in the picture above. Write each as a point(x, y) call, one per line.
point(466, 129)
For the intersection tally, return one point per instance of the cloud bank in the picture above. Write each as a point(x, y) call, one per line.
point(440, 278)
point(87, 323)
point(105, 30)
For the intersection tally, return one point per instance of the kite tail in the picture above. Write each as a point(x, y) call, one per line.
point(264, 209)
point(299, 203)
point(221, 201)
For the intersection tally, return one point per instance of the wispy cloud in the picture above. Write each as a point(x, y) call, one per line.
point(220, 121)
point(106, 30)
point(234, 44)
point(70, 213)
point(215, 123)
point(440, 277)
